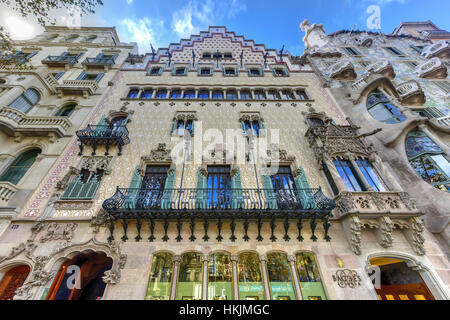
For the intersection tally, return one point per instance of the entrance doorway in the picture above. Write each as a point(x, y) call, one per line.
point(400, 282)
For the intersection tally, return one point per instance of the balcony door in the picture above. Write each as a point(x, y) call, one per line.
point(115, 125)
point(153, 187)
point(219, 187)
point(284, 187)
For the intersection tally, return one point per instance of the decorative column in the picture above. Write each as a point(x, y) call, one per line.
point(263, 259)
point(176, 266)
point(205, 260)
point(234, 261)
point(298, 291)
point(335, 174)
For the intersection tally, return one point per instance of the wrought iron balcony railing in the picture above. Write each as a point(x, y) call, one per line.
point(103, 135)
point(218, 205)
point(60, 60)
point(100, 61)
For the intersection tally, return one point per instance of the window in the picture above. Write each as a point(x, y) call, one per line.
point(280, 72)
point(255, 72)
point(147, 94)
point(302, 95)
point(394, 51)
point(152, 187)
point(17, 170)
point(230, 72)
point(206, 55)
point(219, 187)
point(260, 95)
point(66, 111)
point(246, 95)
point(203, 94)
point(380, 108)
point(228, 55)
point(175, 94)
point(91, 38)
point(161, 94)
point(309, 277)
point(205, 71)
point(189, 94)
point(133, 94)
point(369, 174)
point(190, 276)
point(160, 281)
point(52, 37)
point(180, 71)
point(184, 125)
point(85, 186)
point(418, 49)
point(217, 95)
point(12, 281)
point(349, 176)
point(251, 286)
point(428, 160)
point(274, 95)
point(280, 277)
point(287, 95)
point(91, 76)
point(252, 127)
point(58, 75)
point(232, 95)
point(220, 277)
point(352, 51)
point(413, 65)
point(26, 101)
point(316, 122)
point(284, 187)
point(155, 71)
point(443, 85)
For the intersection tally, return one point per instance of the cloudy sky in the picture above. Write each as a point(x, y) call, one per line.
point(275, 23)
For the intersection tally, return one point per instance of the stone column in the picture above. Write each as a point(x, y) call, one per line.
point(205, 260)
point(435, 139)
point(176, 266)
point(263, 259)
point(298, 291)
point(335, 174)
point(234, 261)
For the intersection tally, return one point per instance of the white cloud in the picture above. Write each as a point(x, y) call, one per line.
point(129, 2)
point(143, 31)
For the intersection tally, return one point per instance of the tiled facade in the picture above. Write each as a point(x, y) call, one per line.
point(54, 226)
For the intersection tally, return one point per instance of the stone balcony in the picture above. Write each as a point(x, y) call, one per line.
point(440, 49)
point(432, 69)
point(411, 93)
point(17, 124)
point(76, 87)
point(42, 72)
point(7, 191)
point(383, 68)
point(342, 70)
point(382, 213)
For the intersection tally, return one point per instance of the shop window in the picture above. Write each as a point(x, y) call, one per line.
point(160, 282)
point(251, 286)
point(189, 286)
point(428, 160)
point(380, 107)
point(309, 277)
point(220, 277)
point(17, 170)
point(280, 277)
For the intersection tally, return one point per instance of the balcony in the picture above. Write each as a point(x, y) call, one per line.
point(99, 63)
point(432, 69)
point(59, 61)
point(74, 87)
point(440, 49)
point(342, 70)
point(411, 93)
point(13, 121)
point(218, 205)
point(7, 191)
point(383, 68)
point(103, 136)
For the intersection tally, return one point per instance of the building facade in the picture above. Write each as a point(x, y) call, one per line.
point(423, 29)
point(219, 169)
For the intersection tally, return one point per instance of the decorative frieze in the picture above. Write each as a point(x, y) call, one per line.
point(59, 231)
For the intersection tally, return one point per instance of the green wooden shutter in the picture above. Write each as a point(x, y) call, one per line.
point(304, 190)
point(193, 128)
point(102, 126)
point(174, 127)
point(243, 127)
point(202, 190)
point(133, 193)
point(166, 201)
point(237, 199)
point(268, 190)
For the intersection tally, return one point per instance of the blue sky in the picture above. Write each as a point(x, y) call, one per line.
point(274, 23)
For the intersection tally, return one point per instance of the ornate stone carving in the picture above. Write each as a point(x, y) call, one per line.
point(355, 236)
point(37, 278)
point(56, 231)
point(411, 93)
point(415, 235)
point(185, 116)
point(408, 202)
point(342, 70)
point(384, 233)
point(27, 247)
point(440, 49)
point(64, 182)
point(434, 68)
point(383, 68)
point(73, 205)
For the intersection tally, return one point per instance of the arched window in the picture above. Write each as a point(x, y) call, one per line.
point(52, 37)
point(66, 111)
point(220, 277)
point(72, 38)
point(380, 107)
point(26, 101)
point(316, 122)
point(160, 281)
point(189, 285)
point(12, 281)
point(20, 166)
point(280, 277)
point(428, 160)
point(309, 277)
point(88, 285)
point(251, 286)
point(91, 39)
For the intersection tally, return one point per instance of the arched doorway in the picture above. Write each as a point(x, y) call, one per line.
point(81, 278)
point(12, 281)
point(399, 281)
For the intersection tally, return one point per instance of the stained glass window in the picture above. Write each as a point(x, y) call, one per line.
point(428, 160)
point(380, 107)
point(280, 277)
